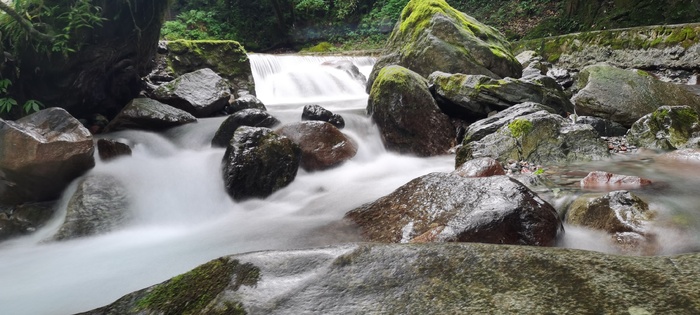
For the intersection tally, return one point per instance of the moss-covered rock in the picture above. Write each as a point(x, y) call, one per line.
point(667, 128)
point(624, 96)
point(227, 58)
point(540, 138)
point(455, 278)
point(432, 36)
point(408, 117)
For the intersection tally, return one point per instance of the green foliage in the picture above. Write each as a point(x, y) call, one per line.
point(520, 127)
point(7, 103)
point(320, 47)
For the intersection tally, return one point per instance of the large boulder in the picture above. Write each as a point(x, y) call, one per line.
point(432, 36)
point(322, 145)
point(259, 162)
point(426, 279)
point(226, 57)
point(473, 97)
point(246, 117)
point(443, 207)
point(41, 154)
point(624, 96)
point(408, 117)
point(104, 71)
point(484, 127)
point(149, 114)
point(200, 93)
point(604, 127)
point(667, 128)
point(539, 138)
point(99, 205)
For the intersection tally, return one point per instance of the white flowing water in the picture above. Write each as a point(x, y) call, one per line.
point(183, 217)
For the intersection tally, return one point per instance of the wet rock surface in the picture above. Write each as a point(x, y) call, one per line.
point(259, 162)
point(244, 102)
point(408, 118)
point(246, 117)
point(604, 180)
point(41, 154)
point(149, 114)
point(322, 145)
point(316, 112)
point(99, 205)
point(472, 97)
point(200, 93)
point(604, 127)
point(110, 149)
point(481, 167)
point(487, 126)
point(433, 279)
point(667, 128)
point(451, 208)
point(24, 219)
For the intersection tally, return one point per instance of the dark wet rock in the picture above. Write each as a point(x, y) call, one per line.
point(562, 76)
point(481, 167)
point(624, 96)
point(149, 114)
point(322, 145)
point(451, 208)
point(110, 149)
point(620, 213)
point(99, 205)
point(408, 118)
point(200, 93)
point(24, 219)
point(246, 117)
point(259, 162)
point(244, 102)
point(41, 154)
point(667, 128)
point(227, 58)
point(609, 181)
point(487, 126)
point(316, 112)
point(432, 36)
point(604, 127)
point(348, 67)
point(428, 279)
point(540, 138)
point(473, 97)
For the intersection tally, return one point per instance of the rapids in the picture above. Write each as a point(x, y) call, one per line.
point(183, 217)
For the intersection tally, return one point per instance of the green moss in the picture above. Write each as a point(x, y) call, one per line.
point(320, 47)
point(520, 127)
point(192, 292)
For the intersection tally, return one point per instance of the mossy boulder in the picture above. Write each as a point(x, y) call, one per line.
point(432, 36)
point(483, 127)
point(624, 96)
point(540, 138)
point(473, 97)
point(226, 57)
point(259, 162)
point(667, 128)
point(443, 207)
point(454, 278)
point(323, 145)
point(407, 115)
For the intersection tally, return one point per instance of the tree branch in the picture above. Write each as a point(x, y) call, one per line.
point(24, 23)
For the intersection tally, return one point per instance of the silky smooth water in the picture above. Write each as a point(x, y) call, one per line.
point(183, 217)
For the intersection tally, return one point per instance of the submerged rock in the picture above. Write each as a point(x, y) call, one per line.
point(605, 180)
point(426, 279)
point(41, 154)
point(624, 96)
point(99, 205)
point(244, 102)
point(349, 67)
point(667, 128)
point(539, 138)
point(451, 208)
point(316, 112)
point(200, 93)
point(149, 114)
point(472, 97)
point(246, 117)
point(259, 162)
point(432, 36)
point(408, 118)
point(322, 145)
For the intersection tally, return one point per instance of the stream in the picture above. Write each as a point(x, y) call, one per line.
point(183, 217)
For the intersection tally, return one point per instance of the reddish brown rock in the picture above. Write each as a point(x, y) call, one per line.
point(322, 145)
point(604, 180)
point(480, 167)
point(110, 149)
